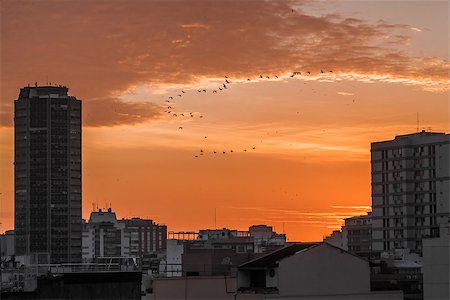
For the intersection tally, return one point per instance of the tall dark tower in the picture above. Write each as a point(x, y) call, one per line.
point(47, 174)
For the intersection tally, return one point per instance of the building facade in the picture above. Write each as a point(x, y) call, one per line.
point(358, 235)
point(145, 236)
point(410, 190)
point(104, 236)
point(47, 174)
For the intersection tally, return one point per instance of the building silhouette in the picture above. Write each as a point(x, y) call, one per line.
point(410, 190)
point(47, 173)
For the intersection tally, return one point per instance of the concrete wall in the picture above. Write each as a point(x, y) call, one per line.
point(436, 268)
point(198, 287)
point(101, 285)
point(323, 270)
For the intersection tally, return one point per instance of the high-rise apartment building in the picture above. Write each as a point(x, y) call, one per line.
point(47, 173)
point(410, 190)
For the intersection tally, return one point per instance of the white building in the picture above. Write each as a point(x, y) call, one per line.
point(265, 238)
point(172, 265)
point(410, 190)
point(300, 271)
point(104, 236)
point(436, 267)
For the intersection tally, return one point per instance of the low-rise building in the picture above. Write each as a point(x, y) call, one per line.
point(357, 233)
point(7, 244)
point(297, 271)
point(104, 236)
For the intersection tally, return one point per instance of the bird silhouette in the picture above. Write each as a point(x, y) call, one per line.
point(214, 91)
point(204, 91)
point(206, 137)
point(199, 91)
point(181, 127)
point(220, 88)
point(183, 92)
point(227, 81)
point(224, 86)
point(170, 97)
point(248, 79)
point(179, 95)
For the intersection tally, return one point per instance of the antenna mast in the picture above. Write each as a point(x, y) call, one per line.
point(417, 130)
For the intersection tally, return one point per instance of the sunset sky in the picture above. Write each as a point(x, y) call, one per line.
point(311, 133)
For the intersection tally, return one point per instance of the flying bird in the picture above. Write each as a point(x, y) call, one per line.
point(276, 76)
point(260, 76)
point(204, 91)
point(179, 95)
point(248, 79)
point(206, 137)
point(181, 127)
point(224, 86)
point(183, 91)
point(214, 91)
point(170, 97)
point(220, 88)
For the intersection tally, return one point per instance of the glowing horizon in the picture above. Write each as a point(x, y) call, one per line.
point(311, 133)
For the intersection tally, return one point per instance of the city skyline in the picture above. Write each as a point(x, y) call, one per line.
point(311, 133)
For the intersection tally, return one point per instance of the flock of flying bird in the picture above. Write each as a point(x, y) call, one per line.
point(224, 86)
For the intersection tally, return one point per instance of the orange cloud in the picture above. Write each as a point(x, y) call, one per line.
point(101, 48)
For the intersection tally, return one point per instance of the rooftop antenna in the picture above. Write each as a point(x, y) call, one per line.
point(93, 206)
point(215, 218)
point(46, 77)
point(417, 130)
point(284, 232)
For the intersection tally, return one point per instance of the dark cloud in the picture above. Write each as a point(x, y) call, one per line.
point(99, 48)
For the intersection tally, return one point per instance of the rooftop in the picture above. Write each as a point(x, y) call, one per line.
point(271, 259)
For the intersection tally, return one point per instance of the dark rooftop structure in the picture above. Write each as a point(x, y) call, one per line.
point(271, 259)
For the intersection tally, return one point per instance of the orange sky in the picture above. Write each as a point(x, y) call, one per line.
point(311, 163)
